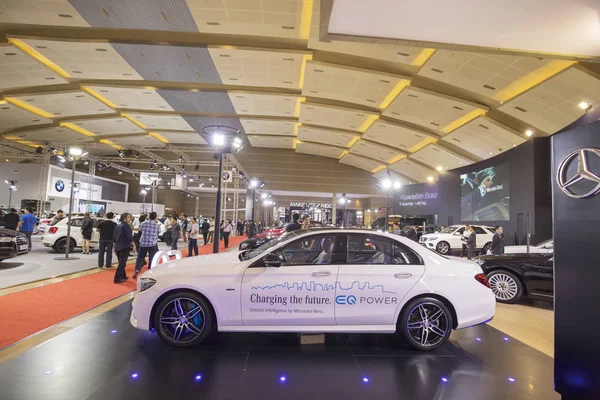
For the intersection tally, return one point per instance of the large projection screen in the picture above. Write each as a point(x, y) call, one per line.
point(484, 194)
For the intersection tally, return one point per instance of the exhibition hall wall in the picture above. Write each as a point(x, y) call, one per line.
point(502, 190)
point(28, 181)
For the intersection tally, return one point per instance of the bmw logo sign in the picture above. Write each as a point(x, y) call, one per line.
point(59, 186)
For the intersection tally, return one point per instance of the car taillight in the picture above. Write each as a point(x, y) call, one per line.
point(53, 229)
point(481, 278)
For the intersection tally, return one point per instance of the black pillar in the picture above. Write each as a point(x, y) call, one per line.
point(576, 226)
point(217, 235)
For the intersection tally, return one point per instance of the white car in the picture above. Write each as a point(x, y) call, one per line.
point(546, 247)
point(450, 239)
point(317, 280)
point(56, 235)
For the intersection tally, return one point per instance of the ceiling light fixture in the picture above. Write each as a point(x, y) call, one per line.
point(430, 178)
point(440, 168)
point(529, 133)
point(584, 105)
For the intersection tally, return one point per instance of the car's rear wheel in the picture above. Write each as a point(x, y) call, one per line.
point(506, 286)
point(425, 323)
point(486, 248)
point(443, 248)
point(61, 245)
point(183, 319)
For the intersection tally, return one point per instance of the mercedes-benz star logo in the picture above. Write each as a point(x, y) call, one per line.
point(583, 173)
point(59, 186)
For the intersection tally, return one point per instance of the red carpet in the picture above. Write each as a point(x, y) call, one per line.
point(30, 311)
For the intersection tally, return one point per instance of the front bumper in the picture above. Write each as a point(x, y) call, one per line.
point(141, 309)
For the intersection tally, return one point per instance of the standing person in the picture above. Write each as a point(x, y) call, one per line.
point(175, 233)
point(498, 241)
point(136, 229)
point(396, 229)
point(411, 233)
point(211, 230)
point(26, 225)
point(240, 227)
point(168, 225)
point(105, 244)
point(193, 241)
point(185, 226)
point(471, 243)
point(464, 239)
point(294, 225)
point(221, 229)
point(87, 227)
point(306, 222)
point(148, 243)
point(226, 228)
point(251, 229)
point(123, 238)
point(205, 230)
point(11, 220)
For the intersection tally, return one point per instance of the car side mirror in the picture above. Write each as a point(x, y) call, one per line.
point(272, 261)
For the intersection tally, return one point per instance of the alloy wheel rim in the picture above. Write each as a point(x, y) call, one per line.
point(427, 324)
point(503, 286)
point(182, 320)
point(443, 248)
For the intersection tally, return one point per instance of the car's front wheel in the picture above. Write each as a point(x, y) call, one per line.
point(425, 323)
point(443, 248)
point(506, 286)
point(486, 248)
point(183, 319)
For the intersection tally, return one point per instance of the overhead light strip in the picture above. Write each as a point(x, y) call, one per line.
point(38, 56)
point(135, 121)
point(532, 79)
point(305, 59)
point(393, 93)
point(463, 120)
point(306, 18)
point(29, 107)
point(159, 137)
point(423, 56)
point(99, 97)
point(77, 129)
point(368, 122)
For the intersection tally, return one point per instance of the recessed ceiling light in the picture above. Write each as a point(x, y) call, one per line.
point(529, 133)
point(440, 168)
point(430, 178)
point(584, 105)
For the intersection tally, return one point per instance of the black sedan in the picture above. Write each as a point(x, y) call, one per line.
point(257, 241)
point(11, 244)
point(512, 276)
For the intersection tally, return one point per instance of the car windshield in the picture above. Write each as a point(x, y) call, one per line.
point(450, 229)
point(269, 245)
point(545, 242)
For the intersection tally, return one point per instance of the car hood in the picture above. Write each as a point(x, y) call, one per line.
point(206, 264)
point(9, 233)
point(426, 235)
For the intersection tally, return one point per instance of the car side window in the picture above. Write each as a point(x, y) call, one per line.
point(478, 230)
point(308, 250)
point(369, 249)
point(77, 222)
point(461, 230)
point(405, 256)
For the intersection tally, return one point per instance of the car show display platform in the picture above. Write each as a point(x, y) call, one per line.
point(107, 358)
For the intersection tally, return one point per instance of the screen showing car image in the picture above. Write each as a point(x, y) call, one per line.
point(97, 207)
point(485, 194)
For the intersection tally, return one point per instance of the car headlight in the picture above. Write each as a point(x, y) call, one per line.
point(431, 239)
point(146, 283)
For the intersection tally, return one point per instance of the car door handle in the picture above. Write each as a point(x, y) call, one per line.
point(403, 275)
point(321, 273)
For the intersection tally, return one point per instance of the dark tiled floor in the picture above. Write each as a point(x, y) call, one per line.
point(90, 362)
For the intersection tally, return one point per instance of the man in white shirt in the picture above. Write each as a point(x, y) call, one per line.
point(193, 240)
point(227, 228)
point(466, 234)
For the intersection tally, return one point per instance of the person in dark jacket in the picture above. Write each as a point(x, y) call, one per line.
point(294, 225)
point(251, 230)
point(175, 233)
point(471, 244)
point(498, 241)
point(11, 220)
point(240, 227)
point(87, 227)
point(411, 233)
point(105, 244)
point(123, 239)
point(205, 228)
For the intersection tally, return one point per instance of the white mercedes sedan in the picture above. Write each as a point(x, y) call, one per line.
point(316, 281)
